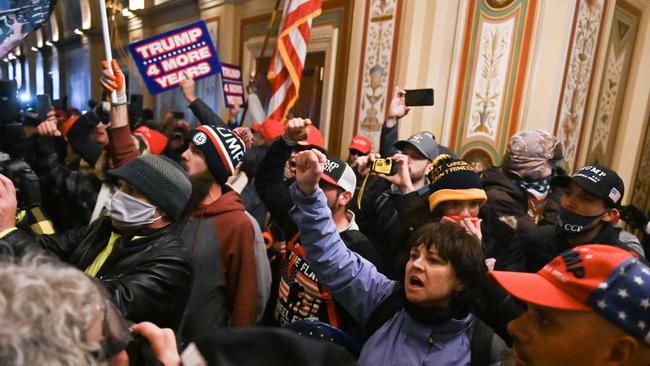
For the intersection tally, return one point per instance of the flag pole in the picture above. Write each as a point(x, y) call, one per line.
point(107, 40)
point(266, 42)
point(269, 28)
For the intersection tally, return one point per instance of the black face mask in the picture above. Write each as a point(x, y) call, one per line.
point(570, 223)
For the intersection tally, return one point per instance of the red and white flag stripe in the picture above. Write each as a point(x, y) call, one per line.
point(288, 59)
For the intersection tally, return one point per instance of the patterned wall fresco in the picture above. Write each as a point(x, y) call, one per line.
point(641, 187)
point(612, 89)
point(576, 87)
point(375, 80)
point(496, 45)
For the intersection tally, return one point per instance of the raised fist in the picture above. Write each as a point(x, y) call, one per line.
point(309, 168)
point(296, 129)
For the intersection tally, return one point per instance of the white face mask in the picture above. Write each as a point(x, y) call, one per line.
point(129, 211)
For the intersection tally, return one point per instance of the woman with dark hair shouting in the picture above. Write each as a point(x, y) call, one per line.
point(425, 320)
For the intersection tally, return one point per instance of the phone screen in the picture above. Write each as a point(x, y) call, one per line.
point(43, 106)
point(419, 97)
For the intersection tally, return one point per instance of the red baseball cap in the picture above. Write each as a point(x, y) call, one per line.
point(314, 138)
point(602, 278)
point(272, 129)
point(257, 127)
point(361, 143)
point(156, 141)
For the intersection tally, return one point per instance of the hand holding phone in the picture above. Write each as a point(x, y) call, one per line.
point(43, 106)
point(419, 97)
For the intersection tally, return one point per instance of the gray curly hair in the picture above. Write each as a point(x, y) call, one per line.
point(46, 309)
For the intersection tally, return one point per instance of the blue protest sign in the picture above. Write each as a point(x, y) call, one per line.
point(233, 87)
point(162, 59)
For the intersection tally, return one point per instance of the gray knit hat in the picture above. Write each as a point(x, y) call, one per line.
point(161, 179)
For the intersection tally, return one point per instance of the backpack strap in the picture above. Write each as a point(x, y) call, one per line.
point(291, 244)
point(481, 344)
point(332, 313)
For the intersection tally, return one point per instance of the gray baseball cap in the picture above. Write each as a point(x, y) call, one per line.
point(424, 142)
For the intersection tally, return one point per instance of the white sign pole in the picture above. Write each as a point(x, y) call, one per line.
point(107, 39)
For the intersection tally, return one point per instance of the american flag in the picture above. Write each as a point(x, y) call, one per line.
point(288, 59)
point(624, 298)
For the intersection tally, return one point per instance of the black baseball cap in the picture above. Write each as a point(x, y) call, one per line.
point(339, 173)
point(597, 180)
point(424, 142)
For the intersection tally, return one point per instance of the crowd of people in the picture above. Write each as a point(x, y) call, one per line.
point(161, 243)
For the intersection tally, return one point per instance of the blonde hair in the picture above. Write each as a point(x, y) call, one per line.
point(46, 309)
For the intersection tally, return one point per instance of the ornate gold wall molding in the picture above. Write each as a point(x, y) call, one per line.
point(640, 190)
point(578, 76)
point(620, 49)
point(380, 31)
point(496, 48)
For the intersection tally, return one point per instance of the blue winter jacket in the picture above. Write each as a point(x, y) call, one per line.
point(357, 285)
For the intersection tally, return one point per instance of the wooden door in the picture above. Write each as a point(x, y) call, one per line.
point(308, 104)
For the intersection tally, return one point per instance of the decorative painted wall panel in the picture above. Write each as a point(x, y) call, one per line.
point(641, 188)
point(576, 87)
point(496, 46)
point(381, 25)
point(612, 89)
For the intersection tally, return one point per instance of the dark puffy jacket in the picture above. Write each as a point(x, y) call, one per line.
point(380, 218)
point(544, 243)
point(505, 198)
point(148, 278)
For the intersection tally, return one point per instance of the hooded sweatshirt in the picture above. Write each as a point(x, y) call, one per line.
point(223, 224)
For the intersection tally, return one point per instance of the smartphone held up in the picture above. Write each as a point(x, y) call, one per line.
point(418, 97)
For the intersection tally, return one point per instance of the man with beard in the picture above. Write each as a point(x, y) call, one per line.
point(221, 237)
point(297, 292)
point(588, 306)
point(338, 183)
point(384, 206)
point(588, 208)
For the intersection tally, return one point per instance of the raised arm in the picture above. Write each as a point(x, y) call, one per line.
point(353, 281)
point(202, 111)
point(396, 110)
point(121, 146)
